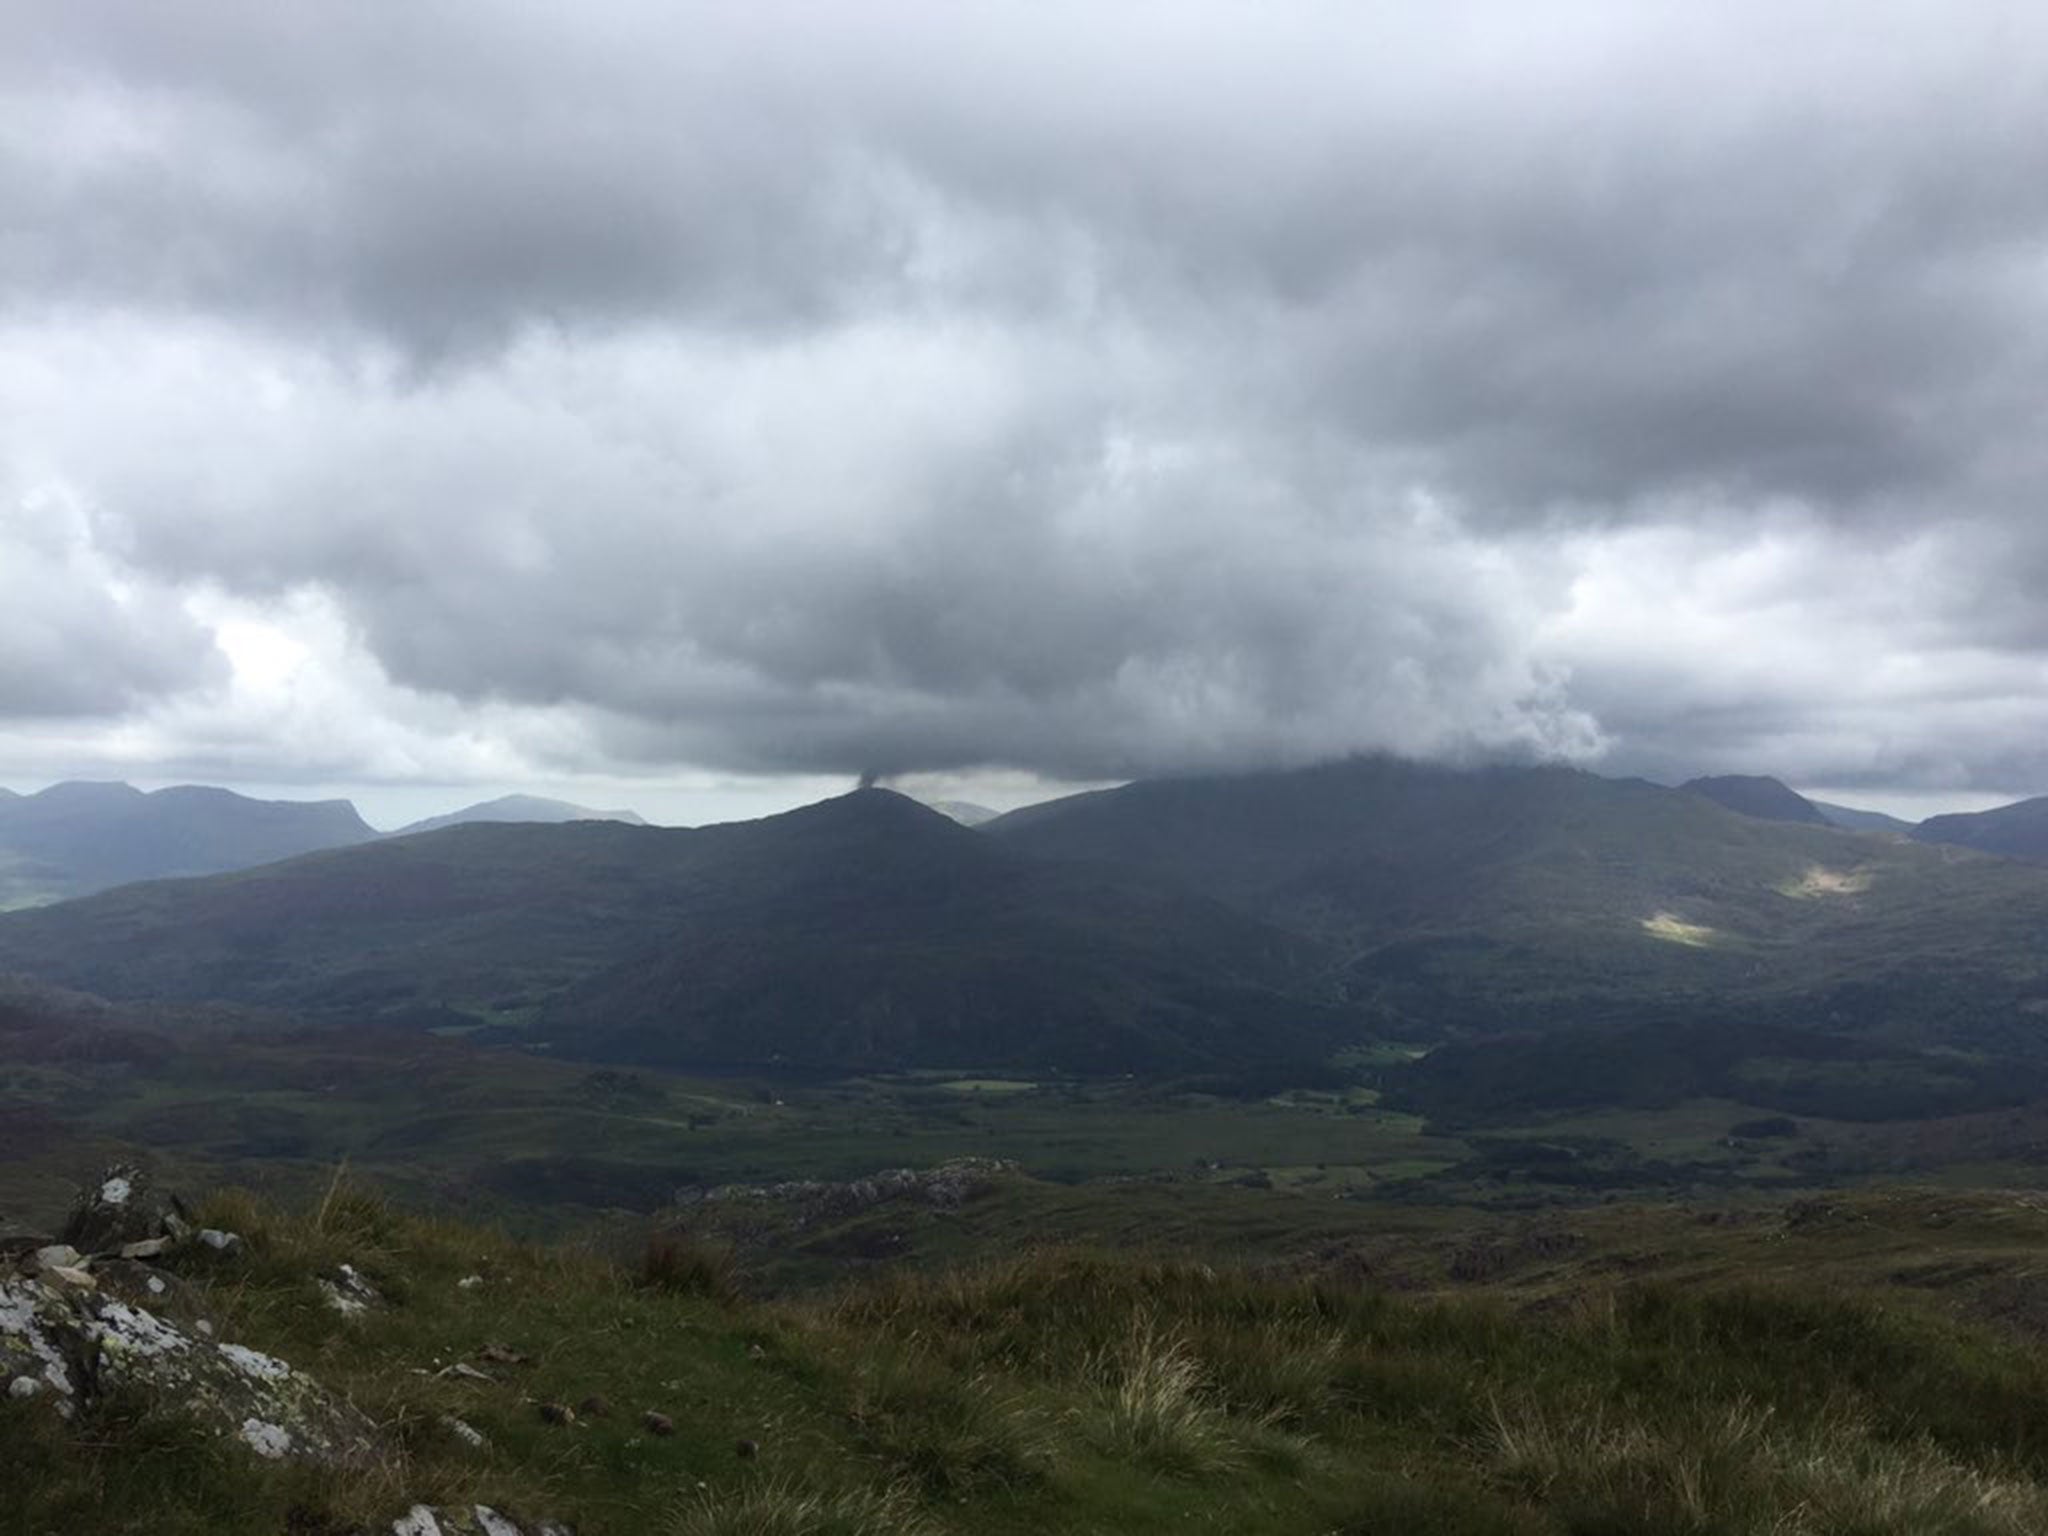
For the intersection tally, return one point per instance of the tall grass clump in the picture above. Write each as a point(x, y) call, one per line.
point(785, 1508)
point(948, 1432)
point(1731, 1469)
point(684, 1265)
point(1148, 1407)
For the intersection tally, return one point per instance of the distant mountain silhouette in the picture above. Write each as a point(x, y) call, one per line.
point(518, 808)
point(1767, 799)
point(1239, 926)
point(75, 838)
point(1861, 821)
point(2018, 831)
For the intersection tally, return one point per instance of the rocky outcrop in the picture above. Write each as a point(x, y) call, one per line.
point(74, 1343)
point(120, 1210)
point(96, 1314)
point(946, 1187)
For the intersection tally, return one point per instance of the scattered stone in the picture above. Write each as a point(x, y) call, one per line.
point(120, 1209)
point(147, 1248)
point(756, 1352)
point(55, 1256)
point(658, 1423)
point(747, 1450)
point(219, 1241)
point(466, 1432)
point(595, 1406)
point(557, 1413)
point(71, 1275)
point(348, 1292)
point(23, 1388)
point(473, 1520)
point(18, 1247)
point(947, 1187)
point(469, 1282)
point(462, 1370)
point(500, 1354)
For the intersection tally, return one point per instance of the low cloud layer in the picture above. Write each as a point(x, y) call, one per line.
point(632, 390)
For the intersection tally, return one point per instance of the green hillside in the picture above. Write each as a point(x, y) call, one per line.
point(2018, 831)
point(864, 931)
point(1513, 898)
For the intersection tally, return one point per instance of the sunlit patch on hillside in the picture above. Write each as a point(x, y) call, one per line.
point(1665, 925)
point(1818, 881)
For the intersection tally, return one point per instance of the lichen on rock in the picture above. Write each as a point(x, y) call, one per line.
point(83, 1344)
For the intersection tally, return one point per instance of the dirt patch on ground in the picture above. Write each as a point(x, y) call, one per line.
point(1818, 882)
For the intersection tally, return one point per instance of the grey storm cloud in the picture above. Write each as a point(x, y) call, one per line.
point(1091, 390)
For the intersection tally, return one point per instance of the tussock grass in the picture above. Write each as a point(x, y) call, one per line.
point(1729, 1469)
point(946, 1431)
point(1149, 1407)
point(784, 1508)
point(688, 1265)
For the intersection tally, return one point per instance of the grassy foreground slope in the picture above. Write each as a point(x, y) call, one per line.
point(1070, 1392)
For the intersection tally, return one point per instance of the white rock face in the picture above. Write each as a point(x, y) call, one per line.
point(115, 1191)
point(267, 1440)
point(133, 1331)
point(273, 1409)
point(255, 1363)
point(28, 1347)
point(473, 1520)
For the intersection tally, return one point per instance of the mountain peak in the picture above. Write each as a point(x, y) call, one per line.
point(1758, 795)
point(87, 792)
point(521, 808)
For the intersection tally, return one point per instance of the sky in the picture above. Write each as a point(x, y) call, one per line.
point(695, 407)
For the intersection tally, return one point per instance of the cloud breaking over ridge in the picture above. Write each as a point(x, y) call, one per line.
point(1087, 391)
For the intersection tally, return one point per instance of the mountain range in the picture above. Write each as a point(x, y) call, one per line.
point(75, 838)
point(861, 932)
point(1222, 925)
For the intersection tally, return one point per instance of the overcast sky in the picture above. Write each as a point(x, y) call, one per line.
point(694, 406)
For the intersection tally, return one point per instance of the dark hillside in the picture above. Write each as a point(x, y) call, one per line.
point(1507, 898)
point(1764, 798)
point(2011, 831)
point(1856, 820)
point(863, 931)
